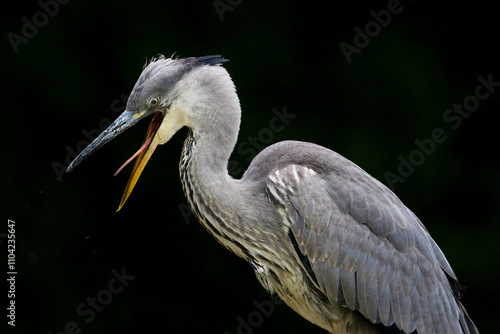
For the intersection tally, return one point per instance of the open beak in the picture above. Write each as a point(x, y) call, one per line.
point(122, 123)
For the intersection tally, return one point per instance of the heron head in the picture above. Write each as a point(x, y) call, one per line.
point(157, 93)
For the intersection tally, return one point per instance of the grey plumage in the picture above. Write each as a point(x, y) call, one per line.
point(334, 243)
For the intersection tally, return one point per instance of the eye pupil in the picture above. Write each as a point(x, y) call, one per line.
point(154, 102)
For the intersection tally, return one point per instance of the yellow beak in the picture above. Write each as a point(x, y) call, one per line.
point(143, 155)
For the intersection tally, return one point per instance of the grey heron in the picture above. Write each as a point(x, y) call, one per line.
point(334, 243)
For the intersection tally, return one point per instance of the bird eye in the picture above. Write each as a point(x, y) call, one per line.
point(154, 102)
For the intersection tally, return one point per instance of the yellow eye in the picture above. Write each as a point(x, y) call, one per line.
point(154, 102)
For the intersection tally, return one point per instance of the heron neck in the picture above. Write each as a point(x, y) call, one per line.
point(213, 195)
point(213, 136)
point(208, 188)
point(204, 161)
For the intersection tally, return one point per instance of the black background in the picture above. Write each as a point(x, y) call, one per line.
point(73, 73)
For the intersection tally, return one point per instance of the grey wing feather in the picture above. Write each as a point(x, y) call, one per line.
point(368, 251)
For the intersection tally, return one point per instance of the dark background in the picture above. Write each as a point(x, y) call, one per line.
point(72, 74)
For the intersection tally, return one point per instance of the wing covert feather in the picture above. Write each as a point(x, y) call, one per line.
point(367, 250)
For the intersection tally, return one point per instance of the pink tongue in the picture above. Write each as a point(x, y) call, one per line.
point(143, 147)
point(155, 123)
